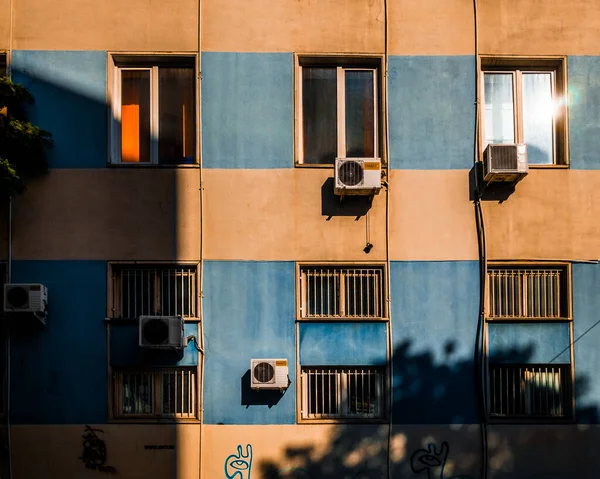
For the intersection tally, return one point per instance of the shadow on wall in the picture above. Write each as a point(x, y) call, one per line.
point(430, 439)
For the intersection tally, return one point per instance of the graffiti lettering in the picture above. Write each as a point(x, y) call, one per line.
point(238, 466)
point(432, 461)
point(94, 451)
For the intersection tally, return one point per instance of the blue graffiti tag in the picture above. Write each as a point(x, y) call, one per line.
point(238, 466)
point(432, 461)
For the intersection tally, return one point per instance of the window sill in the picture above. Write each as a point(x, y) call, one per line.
point(315, 165)
point(133, 320)
point(343, 421)
point(548, 167)
point(151, 166)
point(525, 421)
point(525, 319)
point(341, 319)
point(144, 420)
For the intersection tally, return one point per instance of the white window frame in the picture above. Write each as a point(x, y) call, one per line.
point(341, 65)
point(157, 399)
point(516, 67)
point(341, 375)
point(127, 62)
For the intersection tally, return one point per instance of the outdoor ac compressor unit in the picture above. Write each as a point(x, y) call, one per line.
point(161, 332)
point(357, 176)
point(25, 298)
point(505, 163)
point(269, 374)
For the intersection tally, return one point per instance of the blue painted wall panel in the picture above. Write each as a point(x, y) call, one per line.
point(249, 312)
point(434, 315)
point(529, 343)
point(125, 350)
point(59, 373)
point(431, 112)
point(70, 101)
point(586, 338)
point(584, 112)
point(248, 110)
point(343, 344)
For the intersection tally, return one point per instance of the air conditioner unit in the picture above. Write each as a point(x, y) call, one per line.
point(161, 332)
point(357, 176)
point(25, 298)
point(269, 374)
point(505, 163)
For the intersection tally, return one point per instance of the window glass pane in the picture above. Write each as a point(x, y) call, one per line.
point(499, 108)
point(176, 293)
point(176, 116)
point(319, 110)
point(360, 114)
point(538, 112)
point(137, 393)
point(135, 116)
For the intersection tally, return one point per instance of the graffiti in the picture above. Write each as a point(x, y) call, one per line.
point(94, 451)
point(238, 466)
point(432, 461)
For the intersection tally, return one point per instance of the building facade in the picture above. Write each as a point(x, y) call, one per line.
point(435, 329)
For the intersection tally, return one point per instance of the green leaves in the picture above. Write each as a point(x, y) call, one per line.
point(23, 146)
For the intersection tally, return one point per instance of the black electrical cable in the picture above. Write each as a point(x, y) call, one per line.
point(479, 354)
point(195, 341)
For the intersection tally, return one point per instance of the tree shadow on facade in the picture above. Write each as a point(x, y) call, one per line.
point(436, 433)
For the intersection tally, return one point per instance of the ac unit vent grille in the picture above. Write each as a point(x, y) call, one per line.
point(17, 297)
point(264, 372)
point(351, 173)
point(156, 331)
point(505, 157)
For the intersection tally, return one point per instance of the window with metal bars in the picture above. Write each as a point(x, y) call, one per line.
point(342, 292)
point(158, 393)
point(528, 292)
point(153, 291)
point(530, 390)
point(342, 393)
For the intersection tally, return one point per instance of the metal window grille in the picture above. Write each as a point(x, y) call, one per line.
point(335, 292)
point(159, 393)
point(329, 393)
point(152, 291)
point(528, 293)
point(178, 396)
point(531, 390)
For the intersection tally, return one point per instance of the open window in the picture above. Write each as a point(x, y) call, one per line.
point(153, 110)
point(524, 101)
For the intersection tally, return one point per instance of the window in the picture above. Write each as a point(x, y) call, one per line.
point(528, 292)
point(158, 393)
point(151, 290)
point(3, 71)
point(342, 292)
point(154, 110)
point(529, 342)
point(524, 102)
point(342, 393)
point(338, 110)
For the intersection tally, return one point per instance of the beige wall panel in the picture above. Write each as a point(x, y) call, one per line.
point(304, 451)
point(277, 214)
point(431, 27)
point(552, 214)
point(293, 25)
point(54, 451)
point(118, 214)
point(134, 25)
point(539, 27)
point(4, 24)
point(431, 216)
